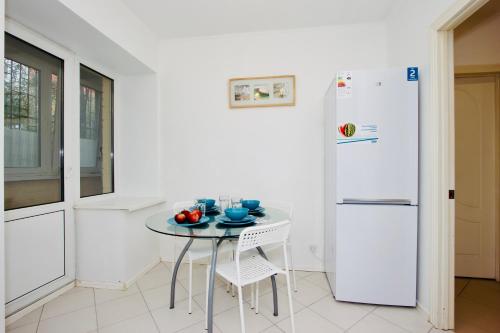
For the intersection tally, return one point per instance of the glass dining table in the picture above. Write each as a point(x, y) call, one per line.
point(216, 233)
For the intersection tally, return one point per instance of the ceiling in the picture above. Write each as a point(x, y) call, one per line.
point(190, 18)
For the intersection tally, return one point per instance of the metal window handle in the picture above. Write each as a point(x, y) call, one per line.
point(376, 201)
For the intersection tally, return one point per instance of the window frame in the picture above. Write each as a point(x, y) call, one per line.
point(48, 159)
point(88, 172)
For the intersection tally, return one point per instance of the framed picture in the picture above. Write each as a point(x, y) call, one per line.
point(252, 92)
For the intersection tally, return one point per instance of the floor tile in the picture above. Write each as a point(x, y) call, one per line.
point(29, 328)
point(173, 320)
point(273, 329)
point(112, 312)
point(159, 297)
point(31, 318)
point(410, 319)
point(158, 276)
point(199, 282)
point(143, 324)
point(69, 302)
point(375, 324)
point(319, 279)
point(104, 295)
point(266, 306)
point(80, 321)
point(343, 314)
point(198, 328)
point(309, 293)
point(309, 321)
point(222, 300)
point(229, 321)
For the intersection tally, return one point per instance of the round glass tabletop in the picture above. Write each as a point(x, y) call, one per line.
point(212, 229)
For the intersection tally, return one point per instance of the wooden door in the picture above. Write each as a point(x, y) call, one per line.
point(475, 149)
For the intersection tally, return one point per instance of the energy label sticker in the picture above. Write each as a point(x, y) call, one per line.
point(344, 85)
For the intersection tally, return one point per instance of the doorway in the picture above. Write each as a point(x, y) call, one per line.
point(476, 166)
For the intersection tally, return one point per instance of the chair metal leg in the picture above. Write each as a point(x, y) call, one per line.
point(190, 291)
point(293, 268)
point(242, 316)
point(273, 284)
point(252, 296)
point(257, 297)
point(290, 301)
point(176, 269)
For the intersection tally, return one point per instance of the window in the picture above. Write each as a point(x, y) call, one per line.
point(32, 125)
point(96, 133)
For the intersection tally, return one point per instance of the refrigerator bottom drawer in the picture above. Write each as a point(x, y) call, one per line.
point(376, 254)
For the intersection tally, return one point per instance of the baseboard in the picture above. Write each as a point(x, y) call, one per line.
point(21, 313)
point(423, 309)
point(120, 285)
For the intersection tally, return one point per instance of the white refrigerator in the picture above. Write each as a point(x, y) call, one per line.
point(371, 189)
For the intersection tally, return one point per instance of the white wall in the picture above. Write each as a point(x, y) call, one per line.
point(136, 123)
point(409, 44)
point(266, 153)
point(117, 21)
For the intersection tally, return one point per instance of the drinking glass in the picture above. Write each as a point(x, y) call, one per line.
point(224, 202)
point(201, 206)
point(236, 202)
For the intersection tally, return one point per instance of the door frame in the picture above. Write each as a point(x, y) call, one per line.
point(442, 266)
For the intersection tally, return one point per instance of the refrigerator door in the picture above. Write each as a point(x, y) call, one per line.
point(376, 254)
point(377, 136)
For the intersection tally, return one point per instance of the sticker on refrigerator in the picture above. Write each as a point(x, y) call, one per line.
point(344, 85)
point(352, 133)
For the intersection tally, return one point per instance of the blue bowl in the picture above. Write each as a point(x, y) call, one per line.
point(209, 203)
point(250, 204)
point(236, 214)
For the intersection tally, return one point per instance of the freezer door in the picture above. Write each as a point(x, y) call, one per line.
point(377, 137)
point(376, 254)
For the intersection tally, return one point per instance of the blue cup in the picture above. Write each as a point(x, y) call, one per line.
point(209, 203)
point(236, 214)
point(250, 204)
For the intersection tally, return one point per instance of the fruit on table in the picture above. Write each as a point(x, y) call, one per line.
point(181, 218)
point(197, 211)
point(193, 217)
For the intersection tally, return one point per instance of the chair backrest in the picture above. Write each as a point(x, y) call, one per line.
point(181, 205)
point(253, 237)
point(283, 205)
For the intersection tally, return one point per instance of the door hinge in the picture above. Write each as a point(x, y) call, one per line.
point(451, 194)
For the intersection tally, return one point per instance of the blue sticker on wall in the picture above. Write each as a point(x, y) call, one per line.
point(412, 74)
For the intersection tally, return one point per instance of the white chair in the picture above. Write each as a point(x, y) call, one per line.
point(288, 209)
point(252, 268)
point(194, 253)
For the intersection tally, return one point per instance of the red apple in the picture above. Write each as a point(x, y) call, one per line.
point(180, 218)
point(197, 211)
point(193, 218)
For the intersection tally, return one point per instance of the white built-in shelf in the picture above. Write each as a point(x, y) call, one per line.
point(130, 204)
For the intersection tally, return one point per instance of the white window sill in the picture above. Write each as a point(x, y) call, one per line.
point(129, 204)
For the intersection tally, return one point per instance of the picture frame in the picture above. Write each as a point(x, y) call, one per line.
point(262, 91)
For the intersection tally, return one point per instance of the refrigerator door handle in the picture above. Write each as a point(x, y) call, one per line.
point(376, 201)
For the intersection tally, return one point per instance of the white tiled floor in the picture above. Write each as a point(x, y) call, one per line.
point(143, 308)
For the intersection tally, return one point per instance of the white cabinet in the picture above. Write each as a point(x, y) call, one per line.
point(35, 254)
point(113, 246)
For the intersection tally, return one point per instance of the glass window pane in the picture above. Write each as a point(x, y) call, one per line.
point(96, 133)
point(32, 151)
